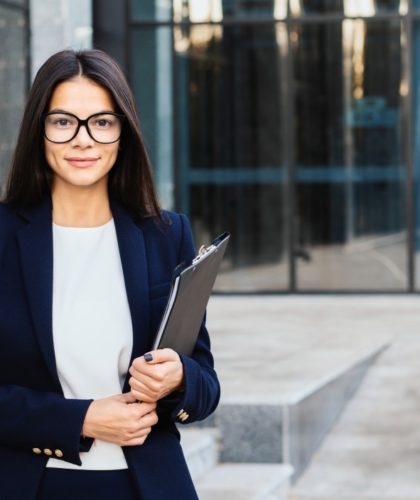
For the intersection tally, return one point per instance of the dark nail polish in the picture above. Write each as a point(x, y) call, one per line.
point(148, 357)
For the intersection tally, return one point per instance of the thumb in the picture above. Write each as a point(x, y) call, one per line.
point(160, 356)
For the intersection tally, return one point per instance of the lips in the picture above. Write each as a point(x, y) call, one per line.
point(82, 162)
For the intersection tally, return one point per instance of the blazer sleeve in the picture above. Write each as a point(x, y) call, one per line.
point(32, 419)
point(201, 391)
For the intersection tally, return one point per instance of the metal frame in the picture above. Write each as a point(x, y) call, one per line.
point(407, 21)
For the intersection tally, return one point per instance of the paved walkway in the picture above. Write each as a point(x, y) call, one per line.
point(373, 452)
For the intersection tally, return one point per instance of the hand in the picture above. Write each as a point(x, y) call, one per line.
point(120, 419)
point(153, 380)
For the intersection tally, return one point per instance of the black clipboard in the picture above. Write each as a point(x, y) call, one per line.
point(190, 292)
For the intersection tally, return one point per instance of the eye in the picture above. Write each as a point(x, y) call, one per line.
point(103, 122)
point(60, 121)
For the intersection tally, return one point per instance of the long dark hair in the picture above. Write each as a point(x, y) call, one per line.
point(130, 180)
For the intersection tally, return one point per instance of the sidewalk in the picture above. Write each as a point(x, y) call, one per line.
point(373, 452)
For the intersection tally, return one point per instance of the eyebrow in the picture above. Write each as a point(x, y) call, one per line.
point(59, 110)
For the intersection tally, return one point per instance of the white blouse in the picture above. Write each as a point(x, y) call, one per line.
point(92, 326)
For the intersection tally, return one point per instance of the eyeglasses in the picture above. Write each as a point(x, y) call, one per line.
point(61, 127)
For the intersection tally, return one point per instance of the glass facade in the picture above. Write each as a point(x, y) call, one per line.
point(231, 160)
point(288, 123)
point(350, 170)
point(14, 75)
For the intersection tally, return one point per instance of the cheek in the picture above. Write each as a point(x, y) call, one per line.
point(112, 156)
point(50, 155)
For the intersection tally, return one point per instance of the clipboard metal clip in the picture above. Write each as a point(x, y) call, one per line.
point(202, 252)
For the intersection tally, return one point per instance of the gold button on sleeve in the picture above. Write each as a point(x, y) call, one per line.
point(37, 451)
point(58, 453)
point(47, 452)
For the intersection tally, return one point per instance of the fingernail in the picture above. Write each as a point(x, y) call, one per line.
point(148, 357)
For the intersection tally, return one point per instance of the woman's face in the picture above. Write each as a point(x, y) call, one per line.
point(82, 162)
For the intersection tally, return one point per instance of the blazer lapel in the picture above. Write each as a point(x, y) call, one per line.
point(36, 254)
point(134, 263)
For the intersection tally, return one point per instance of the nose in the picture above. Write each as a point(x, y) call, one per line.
point(82, 138)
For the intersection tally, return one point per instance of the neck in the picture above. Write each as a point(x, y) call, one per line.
point(80, 207)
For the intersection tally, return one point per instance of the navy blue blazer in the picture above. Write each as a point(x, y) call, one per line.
point(34, 415)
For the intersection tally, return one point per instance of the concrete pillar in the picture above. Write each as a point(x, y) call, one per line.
point(57, 25)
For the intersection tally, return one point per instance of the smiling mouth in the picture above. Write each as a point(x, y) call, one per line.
point(82, 162)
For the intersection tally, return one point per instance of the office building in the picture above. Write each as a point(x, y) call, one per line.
point(291, 123)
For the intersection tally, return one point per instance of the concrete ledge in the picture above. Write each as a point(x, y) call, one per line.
point(307, 422)
point(201, 449)
point(245, 482)
point(289, 431)
point(251, 433)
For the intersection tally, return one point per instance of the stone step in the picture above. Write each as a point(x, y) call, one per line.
point(245, 482)
point(288, 426)
point(201, 449)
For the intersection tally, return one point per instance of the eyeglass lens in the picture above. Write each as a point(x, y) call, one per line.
point(62, 127)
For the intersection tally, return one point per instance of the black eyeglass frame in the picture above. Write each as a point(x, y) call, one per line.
point(83, 123)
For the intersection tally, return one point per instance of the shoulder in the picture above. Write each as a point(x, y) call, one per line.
point(10, 223)
point(171, 233)
point(5, 210)
point(9, 217)
point(171, 224)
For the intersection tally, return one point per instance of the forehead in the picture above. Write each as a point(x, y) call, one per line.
point(81, 96)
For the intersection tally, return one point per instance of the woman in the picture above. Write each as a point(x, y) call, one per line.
point(86, 257)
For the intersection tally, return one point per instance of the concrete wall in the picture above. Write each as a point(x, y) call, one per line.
point(57, 25)
point(13, 80)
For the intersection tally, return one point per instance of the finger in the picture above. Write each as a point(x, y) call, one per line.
point(148, 375)
point(143, 426)
point(139, 411)
point(160, 356)
point(128, 398)
point(150, 393)
point(154, 357)
point(143, 397)
point(136, 441)
point(140, 387)
point(147, 421)
point(153, 418)
point(147, 408)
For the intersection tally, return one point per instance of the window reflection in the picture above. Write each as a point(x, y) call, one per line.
point(280, 9)
point(151, 10)
point(350, 168)
point(359, 8)
point(201, 11)
point(230, 143)
point(354, 41)
point(198, 11)
point(196, 38)
point(150, 76)
point(351, 8)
